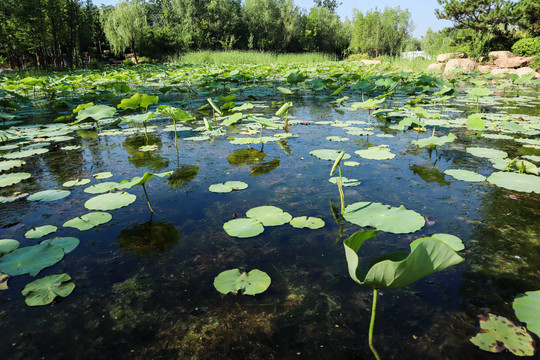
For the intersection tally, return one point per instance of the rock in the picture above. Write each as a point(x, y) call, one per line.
point(526, 71)
point(500, 54)
point(437, 66)
point(483, 59)
point(513, 62)
point(485, 68)
point(468, 65)
point(442, 58)
point(370, 62)
point(6, 71)
point(500, 72)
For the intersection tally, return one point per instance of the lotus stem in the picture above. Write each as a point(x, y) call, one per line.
point(175, 136)
point(145, 133)
point(147, 199)
point(372, 324)
point(340, 188)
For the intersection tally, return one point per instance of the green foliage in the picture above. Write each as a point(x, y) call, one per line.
point(527, 47)
point(252, 283)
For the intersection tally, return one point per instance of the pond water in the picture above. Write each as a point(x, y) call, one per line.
point(144, 282)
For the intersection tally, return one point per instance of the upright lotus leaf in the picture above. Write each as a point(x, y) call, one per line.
point(96, 112)
point(497, 333)
point(337, 162)
point(214, 107)
point(294, 78)
point(40, 231)
point(234, 118)
point(284, 108)
point(284, 91)
point(252, 283)
point(175, 113)
point(88, 221)
point(329, 154)
point(269, 215)
point(141, 180)
point(479, 92)
point(307, 222)
point(68, 244)
point(147, 100)
point(82, 107)
point(465, 175)
point(515, 181)
point(8, 245)
point(243, 228)
point(13, 178)
point(111, 201)
point(451, 240)
point(434, 140)
point(398, 269)
point(131, 103)
point(384, 217)
point(49, 195)
point(527, 309)
point(475, 122)
point(376, 153)
point(10, 164)
point(30, 259)
point(522, 166)
point(43, 291)
point(368, 104)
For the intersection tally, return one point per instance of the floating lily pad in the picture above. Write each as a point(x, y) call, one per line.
point(465, 175)
point(515, 181)
point(345, 181)
point(307, 222)
point(88, 221)
point(228, 186)
point(328, 154)
point(102, 175)
point(30, 259)
point(13, 178)
point(243, 228)
point(252, 283)
point(101, 187)
point(8, 245)
point(10, 164)
point(384, 217)
point(78, 182)
point(110, 201)
point(376, 153)
point(487, 153)
point(40, 231)
point(269, 215)
point(73, 147)
point(49, 195)
point(43, 291)
point(351, 163)
point(434, 140)
point(68, 244)
point(337, 138)
point(24, 153)
point(527, 309)
point(497, 333)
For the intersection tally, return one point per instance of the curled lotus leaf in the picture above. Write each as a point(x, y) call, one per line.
point(89, 221)
point(30, 259)
point(515, 181)
point(307, 222)
point(43, 291)
point(527, 309)
point(8, 245)
point(49, 195)
point(40, 231)
point(243, 228)
point(465, 175)
point(497, 333)
point(376, 153)
point(252, 283)
point(269, 215)
point(451, 240)
point(110, 201)
point(68, 244)
point(13, 178)
point(397, 220)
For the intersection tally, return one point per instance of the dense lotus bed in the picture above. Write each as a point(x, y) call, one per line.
point(122, 240)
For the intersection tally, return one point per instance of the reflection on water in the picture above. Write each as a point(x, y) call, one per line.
point(183, 175)
point(149, 238)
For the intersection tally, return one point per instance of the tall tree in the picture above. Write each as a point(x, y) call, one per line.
point(331, 5)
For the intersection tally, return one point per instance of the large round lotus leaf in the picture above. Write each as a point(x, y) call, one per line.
point(78, 182)
point(96, 112)
point(30, 259)
point(25, 153)
point(236, 185)
point(48, 195)
point(149, 239)
point(9, 164)
point(246, 156)
point(487, 153)
point(328, 154)
point(220, 188)
point(376, 153)
point(103, 175)
point(254, 282)
point(68, 244)
point(243, 228)
point(43, 291)
point(451, 240)
point(516, 181)
point(527, 309)
point(110, 201)
point(497, 333)
point(13, 178)
point(101, 187)
point(307, 222)
point(88, 221)
point(269, 215)
point(345, 181)
point(8, 245)
point(465, 175)
point(384, 217)
point(40, 231)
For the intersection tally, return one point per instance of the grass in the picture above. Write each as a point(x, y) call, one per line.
point(248, 57)
point(416, 64)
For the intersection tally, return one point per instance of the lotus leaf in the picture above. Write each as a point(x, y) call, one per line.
point(30, 259)
point(522, 166)
point(376, 153)
point(13, 178)
point(368, 104)
point(284, 91)
point(43, 291)
point(102, 175)
point(328, 154)
point(451, 240)
point(434, 140)
point(89, 220)
point(479, 91)
point(40, 231)
point(78, 182)
point(398, 269)
point(49, 195)
point(497, 333)
point(101, 187)
point(228, 186)
point(337, 138)
point(197, 138)
point(10, 164)
point(234, 118)
point(307, 222)
point(243, 228)
point(514, 181)
point(110, 201)
point(252, 283)
point(8, 245)
point(175, 113)
point(475, 122)
point(384, 217)
point(345, 181)
point(351, 163)
point(527, 309)
point(487, 153)
point(284, 108)
point(269, 215)
point(465, 175)
point(24, 153)
point(141, 180)
point(96, 112)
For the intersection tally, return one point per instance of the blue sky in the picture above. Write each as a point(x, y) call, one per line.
point(422, 11)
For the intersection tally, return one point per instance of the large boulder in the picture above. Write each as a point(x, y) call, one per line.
point(485, 68)
point(442, 58)
point(500, 54)
point(437, 66)
point(468, 65)
point(370, 62)
point(501, 72)
point(526, 71)
point(514, 62)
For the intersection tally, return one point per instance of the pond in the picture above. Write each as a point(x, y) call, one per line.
point(144, 280)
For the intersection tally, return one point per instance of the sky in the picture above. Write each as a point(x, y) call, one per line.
point(422, 11)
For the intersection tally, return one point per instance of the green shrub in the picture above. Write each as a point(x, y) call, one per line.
point(536, 63)
point(129, 62)
point(146, 60)
point(527, 47)
point(357, 57)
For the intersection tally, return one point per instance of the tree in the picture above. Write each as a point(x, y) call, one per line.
point(324, 32)
point(124, 26)
point(331, 5)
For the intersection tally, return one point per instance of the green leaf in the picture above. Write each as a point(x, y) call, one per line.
point(131, 103)
point(101, 187)
point(479, 92)
point(307, 222)
point(43, 291)
point(102, 175)
point(30, 259)
point(514, 181)
point(367, 105)
point(284, 91)
point(487, 153)
point(475, 122)
point(283, 109)
point(78, 182)
point(10, 164)
point(24, 153)
point(527, 309)
point(252, 283)
point(68, 244)
point(384, 217)
point(497, 333)
point(8, 245)
point(216, 109)
point(82, 107)
point(376, 153)
point(13, 178)
point(329, 154)
point(40, 231)
point(465, 175)
point(147, 100)
point(49, 195)
point(234, 118)
point(434, 140)
point(111, 201)
point(243, 228)
point(88, 221)
point(96, 112)
point(269, 215)
point(337, 162)
point(346, 181)
point(175, 113)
